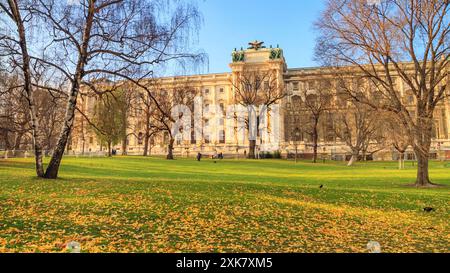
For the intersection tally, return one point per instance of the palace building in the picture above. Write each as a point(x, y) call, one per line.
point(219, 90)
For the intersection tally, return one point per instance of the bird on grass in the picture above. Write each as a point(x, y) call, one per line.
point(428, 209)
point(321, 186)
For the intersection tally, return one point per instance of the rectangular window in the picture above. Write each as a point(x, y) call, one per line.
point(222, 136)
point(435, 132)
point(330, 137)
point(444, 123)
point(193, 141)
point(295, 86)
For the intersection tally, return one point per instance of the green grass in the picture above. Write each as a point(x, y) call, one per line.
point(136, 204)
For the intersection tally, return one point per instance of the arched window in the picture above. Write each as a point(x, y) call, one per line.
point(222, 106)
point(296, 101)
point(311, 99)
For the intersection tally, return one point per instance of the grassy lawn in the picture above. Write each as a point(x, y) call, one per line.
point(138, 204)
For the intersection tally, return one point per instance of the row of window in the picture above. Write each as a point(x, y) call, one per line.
point(437, 131)
point(221, 90)
point(409, 97)
point(221, 105)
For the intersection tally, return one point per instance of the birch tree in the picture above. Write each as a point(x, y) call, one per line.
point(83, 41)
point(15, 18)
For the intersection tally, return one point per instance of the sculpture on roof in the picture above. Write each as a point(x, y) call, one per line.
point(256, 45)
point(276, 53)
point(238, 56)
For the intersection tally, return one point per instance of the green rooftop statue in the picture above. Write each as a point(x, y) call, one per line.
point(238, 56)
point(276, 53)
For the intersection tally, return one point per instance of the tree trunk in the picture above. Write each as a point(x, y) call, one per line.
point(423, 179)
point(109, 149)
point(146, 140)
point(17, 143)
point(7, 145)
point(422, 150)
point(296, 153)
point(124, 146)
point(55, 161)
point(315, 140)
point(170, 149)
point(67, 146)
point(401, 161)
point(252, 148)
point(353, 159)
point(34, 122)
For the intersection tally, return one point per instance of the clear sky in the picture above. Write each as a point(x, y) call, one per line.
point(230, 24)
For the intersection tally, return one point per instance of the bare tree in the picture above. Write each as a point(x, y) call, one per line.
point(14, 47)
point(110, 125)
point(398, 137)
point(113, 39)
point(357, 127)
point(394, 43)
point(147, 111)
point(128, 99)
point(316, 101)
point(51, 115)
point(178, 93)
point(14, 114)
point(256, 88)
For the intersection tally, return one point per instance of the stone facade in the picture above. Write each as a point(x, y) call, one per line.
point(217, 89)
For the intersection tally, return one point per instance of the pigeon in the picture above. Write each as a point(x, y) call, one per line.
point(428, 209)
point(321, 186)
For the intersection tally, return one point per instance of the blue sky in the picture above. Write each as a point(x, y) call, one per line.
point(230, 24)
